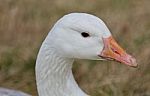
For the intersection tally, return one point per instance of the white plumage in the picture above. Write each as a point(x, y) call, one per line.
point(10, 92)
point(65, 42)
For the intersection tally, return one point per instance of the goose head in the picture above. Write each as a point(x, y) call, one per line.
point(84, 36)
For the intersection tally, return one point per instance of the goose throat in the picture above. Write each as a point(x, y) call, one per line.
point(54, 74)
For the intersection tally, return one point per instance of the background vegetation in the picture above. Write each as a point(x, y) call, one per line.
point(25, 23)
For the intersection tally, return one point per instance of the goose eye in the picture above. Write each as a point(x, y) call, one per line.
point(84, 34)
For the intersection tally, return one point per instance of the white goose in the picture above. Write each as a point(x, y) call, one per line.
point(76, 35)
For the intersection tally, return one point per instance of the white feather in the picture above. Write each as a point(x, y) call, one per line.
point(63, 44)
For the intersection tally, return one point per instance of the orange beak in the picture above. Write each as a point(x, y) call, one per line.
point(113, 51)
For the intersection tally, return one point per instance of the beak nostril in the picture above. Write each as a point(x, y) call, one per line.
point(115, 51)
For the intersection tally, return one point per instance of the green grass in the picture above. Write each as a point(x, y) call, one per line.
point(25, 23)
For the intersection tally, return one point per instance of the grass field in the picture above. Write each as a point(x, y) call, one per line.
point(25, 23)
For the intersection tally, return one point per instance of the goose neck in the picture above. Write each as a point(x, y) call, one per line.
point(54, 75)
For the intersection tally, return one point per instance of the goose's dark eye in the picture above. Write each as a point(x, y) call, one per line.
point(84, 34)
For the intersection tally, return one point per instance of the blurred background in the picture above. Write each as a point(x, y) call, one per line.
point(25, 23)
